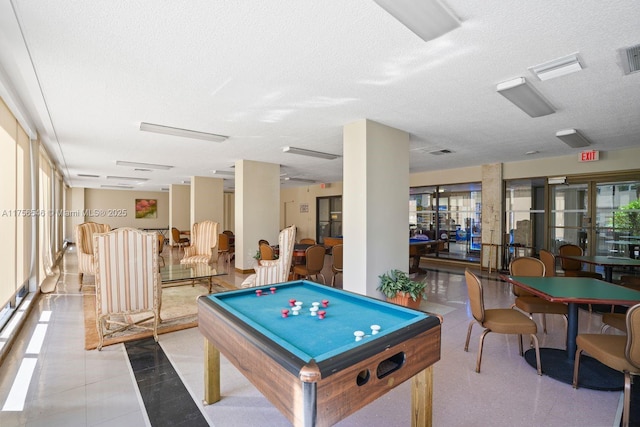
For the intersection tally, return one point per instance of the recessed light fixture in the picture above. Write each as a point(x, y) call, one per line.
point(558, 67)
point(428, 19)
point(525, 97)
point(142, 165)
point(127, 178)
point(186, 181)
point(310, 153)
point(573, 138)
point(290, 179)
point(529, 153)
point(185, 133)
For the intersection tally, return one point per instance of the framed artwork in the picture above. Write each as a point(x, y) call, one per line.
point(146, 208)
point(304, 207)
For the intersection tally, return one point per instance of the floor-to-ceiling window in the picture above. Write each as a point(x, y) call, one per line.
point(329, 217)
point(451, 213)
point(524, 218)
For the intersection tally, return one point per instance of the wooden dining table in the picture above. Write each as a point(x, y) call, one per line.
point(608, 262)
point(558, 363)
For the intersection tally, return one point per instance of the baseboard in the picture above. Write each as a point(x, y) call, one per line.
point(241, 271)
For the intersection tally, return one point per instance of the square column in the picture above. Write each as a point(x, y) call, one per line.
point(375, 204)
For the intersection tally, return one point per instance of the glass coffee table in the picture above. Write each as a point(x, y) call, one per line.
point(189, 274)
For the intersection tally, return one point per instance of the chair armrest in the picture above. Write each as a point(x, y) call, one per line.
point(189, 251)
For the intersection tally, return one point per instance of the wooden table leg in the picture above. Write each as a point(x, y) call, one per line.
point(422, 398)
point(211, 373)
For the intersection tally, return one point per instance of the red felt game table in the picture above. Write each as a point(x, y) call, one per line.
point(313, 370)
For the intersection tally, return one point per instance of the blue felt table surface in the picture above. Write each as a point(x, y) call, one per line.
point(309, 337)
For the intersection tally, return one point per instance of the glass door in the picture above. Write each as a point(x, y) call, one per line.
point(570, 219)
point(329, 217)
point(617, 219)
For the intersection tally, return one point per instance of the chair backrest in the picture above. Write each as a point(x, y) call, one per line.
point(261, 241)
point(476, 298)
point(228, 233)
point(84, 235)
point(336, 254)
point(307, 241)
point(525, 266)
point(223, 242)
point(266, 252)
point(277, 271)
point(175, 234)
point(204, 237)
point(569, 264)
point(160, 242)
point(315, 257)
point(632, 349)
point(549, 261)
point(126, 271)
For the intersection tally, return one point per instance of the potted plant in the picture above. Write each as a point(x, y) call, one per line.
point(400, 289)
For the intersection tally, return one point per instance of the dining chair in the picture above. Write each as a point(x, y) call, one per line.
point(160, 247)
point(618, 320)
point(528, 302)
point(307, 241)
point(336, 265)
point(178, 242)
point(549, 261)
point(224, 247)
point(266, 252)
point(314, 263)
point(128, 281)
point(573, 268)
point(498, 320)
point(228, 233)
point(619, 352)
point(277, 270)
point(204, 243)
point(261, 241)
point(84, 247)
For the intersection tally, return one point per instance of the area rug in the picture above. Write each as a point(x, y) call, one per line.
point(179, 311)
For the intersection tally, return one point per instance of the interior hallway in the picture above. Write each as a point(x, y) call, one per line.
point(74, 387)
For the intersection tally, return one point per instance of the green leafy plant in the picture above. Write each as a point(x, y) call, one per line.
point(396, 281)
point(628, 217)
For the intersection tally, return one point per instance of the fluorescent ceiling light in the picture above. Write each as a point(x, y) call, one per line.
point(290, 179)
point(86, 175)
point(186, 133)
point(428, 19)
point(142, 165)
point(127, 178)
point(310, 153)
point(117, 186)
point(558, 67)
point(573, 138)
point(525, 97)
point(225, 173)
point(557, 180)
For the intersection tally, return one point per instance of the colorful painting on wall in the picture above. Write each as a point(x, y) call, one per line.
point(146, 208)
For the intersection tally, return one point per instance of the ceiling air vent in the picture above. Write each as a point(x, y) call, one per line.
point(440, 152)
point(631, 59)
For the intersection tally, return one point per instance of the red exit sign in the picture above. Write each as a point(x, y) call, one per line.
point(589, 156)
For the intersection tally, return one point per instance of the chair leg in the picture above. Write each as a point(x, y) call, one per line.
point(544, 323)
point(80, 275)
point(537, 347)
point(576, 367)
point(466, 344)
point(520, 345)
point(626, 406)
point(479, 359)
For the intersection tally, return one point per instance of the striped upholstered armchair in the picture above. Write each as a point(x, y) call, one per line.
point(128, 281)
point(84, 247)
point(277, 270)
point(204, 243)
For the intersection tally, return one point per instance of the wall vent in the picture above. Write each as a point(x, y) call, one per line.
point(631, 59)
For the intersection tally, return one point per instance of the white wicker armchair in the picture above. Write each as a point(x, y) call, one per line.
point(277, 270)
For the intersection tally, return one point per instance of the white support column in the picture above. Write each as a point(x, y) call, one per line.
point(375, 204)
point(257, 211)
point(207, 199)
point(179, 208)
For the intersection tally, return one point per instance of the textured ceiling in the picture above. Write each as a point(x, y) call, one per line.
point(293, 72)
